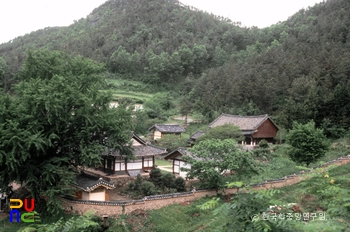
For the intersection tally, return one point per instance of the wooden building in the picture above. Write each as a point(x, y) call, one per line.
point(177, 157)
point(91, 188)
point(193, 138)
point(144, 153)
point(161, 129)
point(254, 128)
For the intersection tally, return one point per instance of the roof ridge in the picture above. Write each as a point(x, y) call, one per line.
point(242, 116)
point(138, 138)
point(177, 149)
point(169, 124)
point(151, 145)
point(259, 119)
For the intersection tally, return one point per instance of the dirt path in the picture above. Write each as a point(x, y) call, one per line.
point(166, 168)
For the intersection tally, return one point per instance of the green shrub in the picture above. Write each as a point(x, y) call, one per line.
point(155, 177)
point(263, 144)
point(148, 188)
point(180, 184)
point(138, 183)
point(131, 186)
point(168, 180)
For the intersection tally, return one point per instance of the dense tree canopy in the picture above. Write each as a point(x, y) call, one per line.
point(155, 40)
point(223, 132)
point(56, 120)
point(211, 158)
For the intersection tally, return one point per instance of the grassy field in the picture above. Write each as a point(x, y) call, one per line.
point(133, 90)
point(162, 162)
point(188, 217)
point(142, 97)
point(184, 217)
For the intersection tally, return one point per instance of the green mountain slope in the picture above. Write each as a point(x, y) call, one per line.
point(154, 40)
point(298, 69)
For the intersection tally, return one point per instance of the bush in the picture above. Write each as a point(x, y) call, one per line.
point(138, 183)
point(168, 180)
point(131, 186)
point(171, 142)
point(148, 188)
point(156, 177)
point(307, 143)
point(263, 144)
point(180, 184)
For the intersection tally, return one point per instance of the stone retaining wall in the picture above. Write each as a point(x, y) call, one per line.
point(115, 208)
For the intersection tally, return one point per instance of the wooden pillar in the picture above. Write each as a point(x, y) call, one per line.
point(106, 195)
point(143, 163)
point(126, 165)
point(104, 164)
point(153, 161)
point(113, 163)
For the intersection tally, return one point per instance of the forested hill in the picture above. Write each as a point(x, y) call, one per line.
point(295, 70)
point(156, 40)
point(298, 70)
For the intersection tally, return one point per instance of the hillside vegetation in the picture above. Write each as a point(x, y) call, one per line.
point(296, 70)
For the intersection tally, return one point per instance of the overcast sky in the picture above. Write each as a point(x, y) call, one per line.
point(19, 17)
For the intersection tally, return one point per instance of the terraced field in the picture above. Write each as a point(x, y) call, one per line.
point(133, 90)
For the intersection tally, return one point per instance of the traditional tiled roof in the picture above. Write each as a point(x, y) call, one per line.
point(168, 128)
point(88, 183)
point(142, 150)
point(195, 136)
point(138, 138)
point(183, 151)
point(245, 123)
point(148, 150)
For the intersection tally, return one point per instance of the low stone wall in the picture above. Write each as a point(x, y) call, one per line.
point(115, 208)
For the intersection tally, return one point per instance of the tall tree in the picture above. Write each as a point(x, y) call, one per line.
point(57, 120)
point(210, 158)
point(3, 69)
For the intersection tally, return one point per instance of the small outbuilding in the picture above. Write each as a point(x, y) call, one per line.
point(161, 129)
point(178, 162)
point(91, 188)
point(194, 137)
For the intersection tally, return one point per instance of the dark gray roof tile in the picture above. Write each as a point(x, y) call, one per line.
point(88, 183)
point(245, 123)
point(195, 136)
point(168, 128)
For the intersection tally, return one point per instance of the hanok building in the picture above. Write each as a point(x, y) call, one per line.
point(116, 163)
point(178, 162)
point(194, 137)
point(91, 188)
point(162, 129)
point(254, 128)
